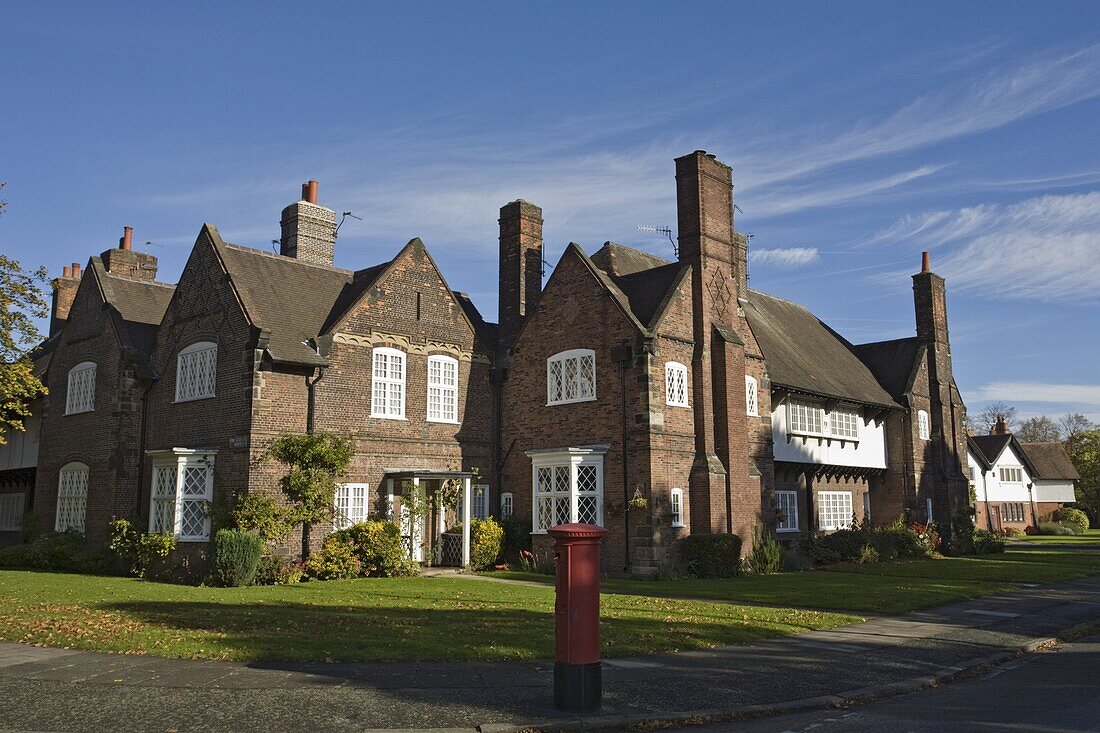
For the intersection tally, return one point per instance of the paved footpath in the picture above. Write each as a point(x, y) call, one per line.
point(70, 691)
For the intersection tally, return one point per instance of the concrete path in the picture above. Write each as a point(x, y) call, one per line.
point(69, 691)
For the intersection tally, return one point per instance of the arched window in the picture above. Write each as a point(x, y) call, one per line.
point(922, 425)
point(442, 389)
point(388, 384)
point(72, 497)
point(571, 377)
point(80, 391)
point(752, 397)
point(676, 384)
point(196, 371)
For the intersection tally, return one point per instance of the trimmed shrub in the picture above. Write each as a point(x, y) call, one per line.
point(263, 515)
point(987, 543)
point(379, 548)
point(336, 560)
point(766, 557)
point(236, 557)
point(277, 570)
point(486, 542)
point(1014, 532)
point(712, 555)
point(58, 552)
point(1073, 518)
point(139, 550)
point(23, 556)
point(1053, 528)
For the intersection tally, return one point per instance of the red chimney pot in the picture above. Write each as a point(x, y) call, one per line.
point(925, 262)
point(66, 271)
point(127, 241)
point(311, 192)
point(76, 270)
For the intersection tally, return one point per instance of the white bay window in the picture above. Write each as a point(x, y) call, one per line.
point(181, 492)
point(567, 486)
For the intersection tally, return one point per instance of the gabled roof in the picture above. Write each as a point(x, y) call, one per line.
point(893, 363)
point(641, 282)
point(1050, 460)
point(618, 260)
point(138, 305)
point(976, 451)
point(805, 355)
point(991, 446)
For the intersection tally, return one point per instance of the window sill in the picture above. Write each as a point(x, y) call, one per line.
point(442, 422)
point(79, 412)
point(194, 399)
point(571, 402)
point(788, 531)
point(192, 539)
point(678, 525)
point(678, 404)
point(388, 417)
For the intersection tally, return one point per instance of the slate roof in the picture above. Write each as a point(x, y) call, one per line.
point(619, 260)
point(1050, 460)
point(804, 354)
point(647, 290)
point(138, 305)
point(990, 445)
point(892, 363)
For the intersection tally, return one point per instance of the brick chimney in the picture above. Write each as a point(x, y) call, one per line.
point(308, 229)
point(1000, 427)
point(64, 291)
point(930, 300)
point(125, 262)
point(520, 266)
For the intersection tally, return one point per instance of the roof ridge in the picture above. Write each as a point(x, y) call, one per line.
point(284, 258)
point(886, 341)
point(138, 280)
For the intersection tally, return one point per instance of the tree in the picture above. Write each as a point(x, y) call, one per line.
point(1084, 450)
point(314, 461)
point(21, 301)
point(1039, 429)
point(1073, 423)
point(982, 422)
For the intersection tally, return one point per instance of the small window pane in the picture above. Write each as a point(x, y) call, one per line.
point(676, 499)
point(505, 505)
point(834, 510)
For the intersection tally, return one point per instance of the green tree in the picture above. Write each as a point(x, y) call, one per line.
point(1084, 451)
point(1039, 429)
point(314, 463)
point(21, 302)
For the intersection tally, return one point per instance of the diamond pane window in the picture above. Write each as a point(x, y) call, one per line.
point(183, 487)
point(162, 515)
point(834, 510)
point(786, 511)
point(752, 397)
point(196, 371)
point(676, 381)
point(388, 384)
point(567, 488)
point(80, 391)
point(844, 423)
point(571, 377)
point(72, 497)
point(442, 389)
point(805, 417)
point(11, 512)
point(350, 505)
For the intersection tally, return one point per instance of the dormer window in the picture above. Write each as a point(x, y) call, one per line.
point(571, 377)
point(196, 371)
point(676, 384)
point(80, 391)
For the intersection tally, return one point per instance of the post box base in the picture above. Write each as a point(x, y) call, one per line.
point(578, 688)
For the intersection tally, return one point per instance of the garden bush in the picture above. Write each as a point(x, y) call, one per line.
point(486, 542)
point(987, 543)
point(1073, 518)
point(712, 555)
point(1014, 532)
point(59, 552)
point(236, 557)
point(139, 550)
point(766, 557)
point(263, 515)
point(379, 548)
point(517, 536)
point(336, 560)
point(278, 570)
point(868, 555)
point(1054, 528)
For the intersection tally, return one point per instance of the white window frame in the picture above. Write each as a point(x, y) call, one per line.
point(479, 501)
point(446, 395)
point(563, 388)
point(168, 492)
point(924, 427)
point(350, 505)
point(752, 397)
point(197, 372)
point(558, 498)
point(507, 505)
point(787, 501)
point(676, 507)
point(928, 519)
point(383, 404)
point(852, 417)
point(676, 384)
point(1011, 474)
point(72, 497)
point(12, 508)
point(834, 510)
point(801, 415)
point(80, 388)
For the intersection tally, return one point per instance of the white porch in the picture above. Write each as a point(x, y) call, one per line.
point(424, 533)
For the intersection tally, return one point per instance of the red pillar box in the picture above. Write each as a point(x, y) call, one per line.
point(577, 681)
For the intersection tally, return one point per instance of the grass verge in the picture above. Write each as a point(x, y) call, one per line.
point(396, 619)
point(1090, 537)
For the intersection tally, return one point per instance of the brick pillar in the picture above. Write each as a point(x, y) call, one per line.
point(520, 266)
point(308, 229)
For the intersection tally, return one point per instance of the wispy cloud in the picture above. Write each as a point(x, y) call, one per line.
point(1042, 248)
point(788, 257)
point(778, 200)
point(1068, 394)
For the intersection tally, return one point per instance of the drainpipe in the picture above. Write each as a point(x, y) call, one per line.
point(985, 489)
point(623, 354)
point(1031, 500)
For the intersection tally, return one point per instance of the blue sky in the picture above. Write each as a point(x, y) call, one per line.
point(859, 135)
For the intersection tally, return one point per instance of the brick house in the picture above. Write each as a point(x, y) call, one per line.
point(658, 398)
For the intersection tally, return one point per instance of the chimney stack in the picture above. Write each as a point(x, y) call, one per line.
point(125, 262)
point(930, 303)
point(925, 262)
point(520, 266)
point(1000, 427)
point(64, 292)
point(308, 229)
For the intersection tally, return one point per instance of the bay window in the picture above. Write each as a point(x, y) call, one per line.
point(181, 492)
point(567, 486)
point(571, 377)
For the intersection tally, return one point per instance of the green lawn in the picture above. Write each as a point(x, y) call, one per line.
point(1090, 537)
point(359, 620)
point(887, 588)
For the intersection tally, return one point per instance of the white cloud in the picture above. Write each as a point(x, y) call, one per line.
point(1043, 248)
point(789, 257)
point(1067, 394)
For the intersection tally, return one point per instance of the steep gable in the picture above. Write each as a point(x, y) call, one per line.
point(894, 363)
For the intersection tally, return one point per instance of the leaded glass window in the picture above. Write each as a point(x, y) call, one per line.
point(676, 384)
point(567, 489)
point(571, 377)
point(80, 390)
point(72, 497)
point(196, 371)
